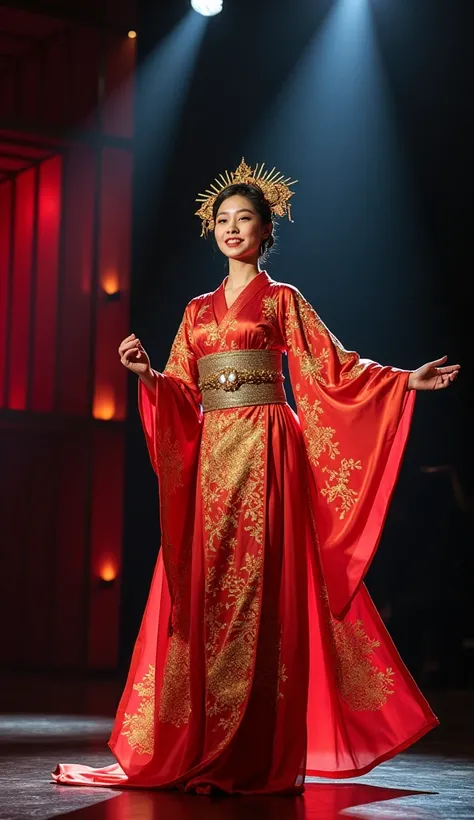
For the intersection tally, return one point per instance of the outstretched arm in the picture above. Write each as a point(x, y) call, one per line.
point(431, 376)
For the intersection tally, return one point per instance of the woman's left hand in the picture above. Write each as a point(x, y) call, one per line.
point(431, 376)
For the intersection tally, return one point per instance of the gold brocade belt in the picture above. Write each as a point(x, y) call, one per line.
point(241, 378)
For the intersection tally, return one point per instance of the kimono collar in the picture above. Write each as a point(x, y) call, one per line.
point(222, 312)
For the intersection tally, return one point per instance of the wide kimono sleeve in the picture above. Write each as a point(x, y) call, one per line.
point(355, 415)
point(171, 416)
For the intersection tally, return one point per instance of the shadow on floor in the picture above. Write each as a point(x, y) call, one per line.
point(319, 802)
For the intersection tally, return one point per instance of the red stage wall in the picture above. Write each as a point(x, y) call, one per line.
point(64, 305)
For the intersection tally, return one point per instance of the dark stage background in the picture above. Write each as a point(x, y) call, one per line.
point(368, 103)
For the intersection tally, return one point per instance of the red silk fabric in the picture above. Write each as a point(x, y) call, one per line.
point(260, 656)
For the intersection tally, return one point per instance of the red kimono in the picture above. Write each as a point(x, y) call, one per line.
point(261, 657)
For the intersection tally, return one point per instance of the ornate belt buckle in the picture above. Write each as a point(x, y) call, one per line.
point(228, 379)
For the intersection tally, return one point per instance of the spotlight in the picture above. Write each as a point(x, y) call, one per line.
point(132, 34)
point(207, 7)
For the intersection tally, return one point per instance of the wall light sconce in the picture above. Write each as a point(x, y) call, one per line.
point(106, 583)
point(107, 574)
point(104, 403)
point(112, 297)
point(111, 285)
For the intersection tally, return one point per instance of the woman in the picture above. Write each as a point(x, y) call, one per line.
point(260, 656)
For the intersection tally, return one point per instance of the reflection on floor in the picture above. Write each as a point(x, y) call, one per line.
point(433, 780)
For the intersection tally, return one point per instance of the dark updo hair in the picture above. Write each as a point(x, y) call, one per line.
point(259, 202)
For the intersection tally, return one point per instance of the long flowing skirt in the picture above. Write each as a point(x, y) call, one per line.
point(241, 679)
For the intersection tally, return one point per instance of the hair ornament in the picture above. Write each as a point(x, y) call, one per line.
point(273, 185)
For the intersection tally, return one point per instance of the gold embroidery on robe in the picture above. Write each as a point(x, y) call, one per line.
point(170, 465)
point(340, 489)
point(319, 439)
point(312, 367)
point(175, 700)
point(232, 483)
point(139, 726)
point(232, 468)
point(303, 321)
point(270, 308)
point(269, 328)
point(313, 325)
point(201, 312)
point(362, 685)
point(345, 356)
point(180, 353)
point(215, 335)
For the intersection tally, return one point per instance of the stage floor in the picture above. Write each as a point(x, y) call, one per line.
point(435, 779)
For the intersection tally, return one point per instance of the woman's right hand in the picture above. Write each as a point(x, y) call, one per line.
point(133, 356)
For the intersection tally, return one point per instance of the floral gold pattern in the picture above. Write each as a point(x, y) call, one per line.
point(180, 354)
point(214, 334)
point(138, 728)
point(302, 316)
point(303, 329)
point(319, 439)
point(345, 356)
point(312, 367)
point(270, 308)
point(340, 489)
point(170, 470)
point(362, 685)
point(175, 701)
point(170, 464)
point(232, 484)
point(232, 468)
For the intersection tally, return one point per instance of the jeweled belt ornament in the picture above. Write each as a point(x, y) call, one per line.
point(241, 378)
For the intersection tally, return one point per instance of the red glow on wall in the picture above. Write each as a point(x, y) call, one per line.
point(20, 328)
point(29, 285)
point(106, 529)
point(108, 568)
point(46, 302)
point(77, 261)
point(104, 403)
point(66, 97)
point(114, 261)
point(110, 281)
point(5, 234)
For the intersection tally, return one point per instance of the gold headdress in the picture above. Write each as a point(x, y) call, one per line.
point(272, 184)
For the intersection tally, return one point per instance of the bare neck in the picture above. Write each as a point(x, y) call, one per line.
point(241, 273)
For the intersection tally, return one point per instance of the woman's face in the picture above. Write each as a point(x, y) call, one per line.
point(238, 229)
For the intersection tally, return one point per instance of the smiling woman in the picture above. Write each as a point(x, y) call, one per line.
point(261, 657)
point(243, 222)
